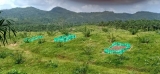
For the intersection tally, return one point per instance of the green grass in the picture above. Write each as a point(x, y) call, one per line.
point(83, 55)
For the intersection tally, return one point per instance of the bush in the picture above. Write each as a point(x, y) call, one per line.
point(144, 39)
point(88, 50)
point(51, 64)
point(3, 54)
point(23, 35)
point(59, 44)
point(51, 33)
point(105, 29)
point(65, 31)
point(86, 32)
point(81, 69)
point(19, 59)
point(158, 31)
point(27, 41)
point(155, 70)
point(15, 72)
point(111, 38)
point(116, 60)
point(133, 31)
point(40, 41)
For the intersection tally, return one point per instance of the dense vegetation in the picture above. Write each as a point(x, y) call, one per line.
point(131, 25)
point(33, 16)
point(83, 55)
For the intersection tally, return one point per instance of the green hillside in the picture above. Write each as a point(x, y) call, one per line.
point(31, 15)
point(83, 55)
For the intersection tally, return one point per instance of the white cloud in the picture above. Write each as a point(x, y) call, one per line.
point(92, 8)
point(150, 5)
point(153, 2)
point(111, 9)
point(5, 4)
point(75, 9)
point(136, 8)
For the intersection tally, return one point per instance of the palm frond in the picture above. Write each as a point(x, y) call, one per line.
point(5, 27)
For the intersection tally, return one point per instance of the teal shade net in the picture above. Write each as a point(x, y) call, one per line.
point(65, 38)
point(117, 48)
point(28, 40)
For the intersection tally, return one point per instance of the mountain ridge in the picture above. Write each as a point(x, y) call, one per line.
point(32, 15)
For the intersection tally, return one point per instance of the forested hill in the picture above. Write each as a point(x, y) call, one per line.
point(31, 15)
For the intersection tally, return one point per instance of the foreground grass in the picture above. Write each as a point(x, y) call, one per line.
point(83, 55)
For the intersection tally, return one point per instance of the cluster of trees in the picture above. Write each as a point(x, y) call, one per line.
point(144, 25)
point(131, 25)
point(39, 27)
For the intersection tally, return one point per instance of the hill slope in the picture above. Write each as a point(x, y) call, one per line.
point(49, 57)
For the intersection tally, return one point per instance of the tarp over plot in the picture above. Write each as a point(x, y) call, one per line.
point(65, 38)
point(27, 40)
point(117, 48)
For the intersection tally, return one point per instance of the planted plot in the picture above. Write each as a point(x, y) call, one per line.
point(65, 38)
point(117, 48)
point(28, 40)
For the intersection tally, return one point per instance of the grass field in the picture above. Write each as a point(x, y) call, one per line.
point(83, 55)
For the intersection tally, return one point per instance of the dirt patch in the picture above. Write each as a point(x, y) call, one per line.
point(13, 44)
point(27, 52)
point(117, 47)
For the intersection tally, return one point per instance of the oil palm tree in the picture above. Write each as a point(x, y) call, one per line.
point(5, 30)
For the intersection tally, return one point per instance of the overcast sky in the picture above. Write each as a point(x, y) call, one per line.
point(118, 6)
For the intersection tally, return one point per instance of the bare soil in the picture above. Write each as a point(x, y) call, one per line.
point(117, 47)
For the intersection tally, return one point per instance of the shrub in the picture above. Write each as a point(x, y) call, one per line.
point(51, 64)
point(154, 70)
point(144, 39)
point(158, 31)
point(88, 50)
point(133, 31)
point(13, 71)
point(3, 54)
point(86, 32)
point(116, 60)
point(27, 41)
point(14, 41)
point(23, 35)
point(111, 38)
point(105, 29)
point(64, 31)
point(59, 44)
point(19, 59)
point(51, 33)
point(81, 69)
point(40, 33)
point(40, 41)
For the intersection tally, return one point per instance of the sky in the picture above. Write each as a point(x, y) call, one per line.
point(117, 6)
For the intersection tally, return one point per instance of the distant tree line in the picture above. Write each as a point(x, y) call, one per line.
point(131, 25)
point(144, 25)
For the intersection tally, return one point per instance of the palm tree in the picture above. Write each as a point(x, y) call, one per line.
point(5, 29)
